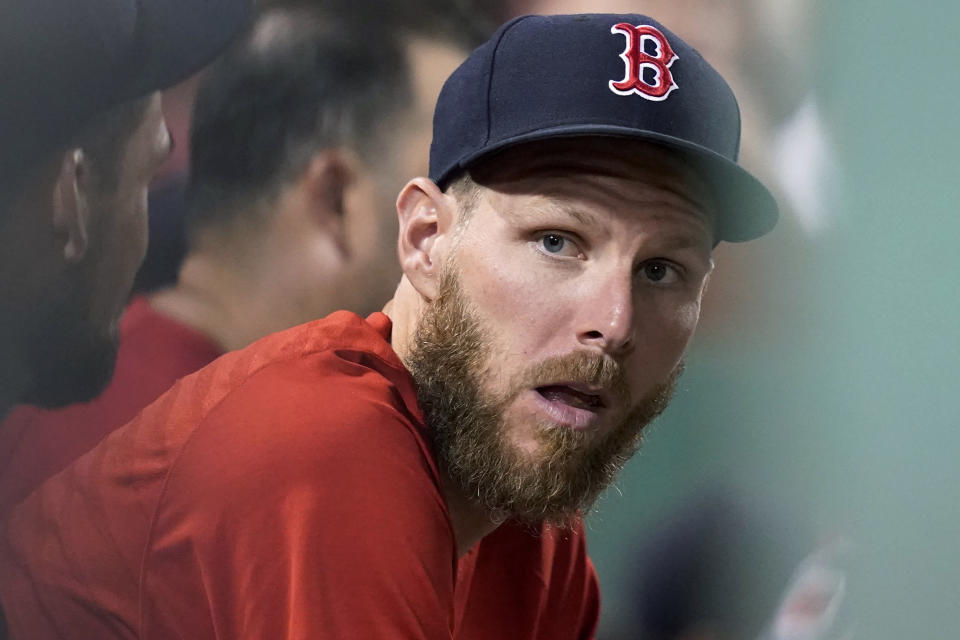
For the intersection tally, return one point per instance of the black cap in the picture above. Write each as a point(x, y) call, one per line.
point(62, 62)
point(543, 77)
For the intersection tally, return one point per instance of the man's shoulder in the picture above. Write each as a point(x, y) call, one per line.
point(314, 391)
point(339, 364)
point(338, 328)
point(331, 392)
point(326, 422)
point(331, 388)
point(342, 331)
point(308, 362)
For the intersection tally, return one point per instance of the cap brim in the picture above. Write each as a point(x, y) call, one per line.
point(180, 37)
point(745, 208)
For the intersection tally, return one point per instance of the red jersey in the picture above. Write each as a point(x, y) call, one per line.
point(285, 491)
point(155, 351)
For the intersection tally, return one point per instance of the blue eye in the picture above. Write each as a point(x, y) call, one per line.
point(559, 245)
point(553, 243)
point(556, 244)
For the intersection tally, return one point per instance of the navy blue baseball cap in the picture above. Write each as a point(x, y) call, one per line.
point(62, 62)
point(620, 76)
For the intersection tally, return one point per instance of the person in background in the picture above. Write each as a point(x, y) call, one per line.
point(464, 20)
point(83, 135)
point(302, 133)
point(422, 472)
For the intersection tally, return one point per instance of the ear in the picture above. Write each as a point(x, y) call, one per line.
point(324, 185)
point(426, 226)
point(71, 210)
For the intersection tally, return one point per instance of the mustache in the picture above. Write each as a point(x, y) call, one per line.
point(592, 369)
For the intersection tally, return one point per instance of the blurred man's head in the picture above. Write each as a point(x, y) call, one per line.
point(81, 223)
point(554, 265)
point(301, 138)
point(83, 137)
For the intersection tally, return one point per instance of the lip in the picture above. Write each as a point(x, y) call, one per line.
point(592, 390)
point(576, 418)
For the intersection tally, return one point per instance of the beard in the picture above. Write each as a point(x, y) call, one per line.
point(72, 362)
point(70, 353)
point(450, 361)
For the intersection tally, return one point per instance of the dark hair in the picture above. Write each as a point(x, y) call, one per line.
point(465, 23)
point(274, 100)
point(320, 79)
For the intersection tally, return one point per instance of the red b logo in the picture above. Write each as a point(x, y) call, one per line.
point(638, 60)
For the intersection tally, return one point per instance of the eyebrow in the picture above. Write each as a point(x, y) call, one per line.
point(582, 217)
point(588, 219)
point(673, 242)
point(676, 242)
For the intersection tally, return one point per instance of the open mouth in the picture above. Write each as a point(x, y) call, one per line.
point(577, 398)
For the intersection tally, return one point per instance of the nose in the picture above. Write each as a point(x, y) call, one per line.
point(606, 319)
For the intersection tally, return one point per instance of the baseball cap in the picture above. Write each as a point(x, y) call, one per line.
point(62, 62)
point(620, 76)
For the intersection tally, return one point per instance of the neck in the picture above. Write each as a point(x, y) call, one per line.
point(471, 523)
point(231, 303)
point(239, 284)
point(404, 310)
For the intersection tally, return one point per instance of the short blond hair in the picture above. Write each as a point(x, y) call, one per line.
point(467, 193)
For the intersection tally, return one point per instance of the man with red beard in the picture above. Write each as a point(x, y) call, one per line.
point(421, 473)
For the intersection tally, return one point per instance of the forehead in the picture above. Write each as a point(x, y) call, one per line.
point(612, 168)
